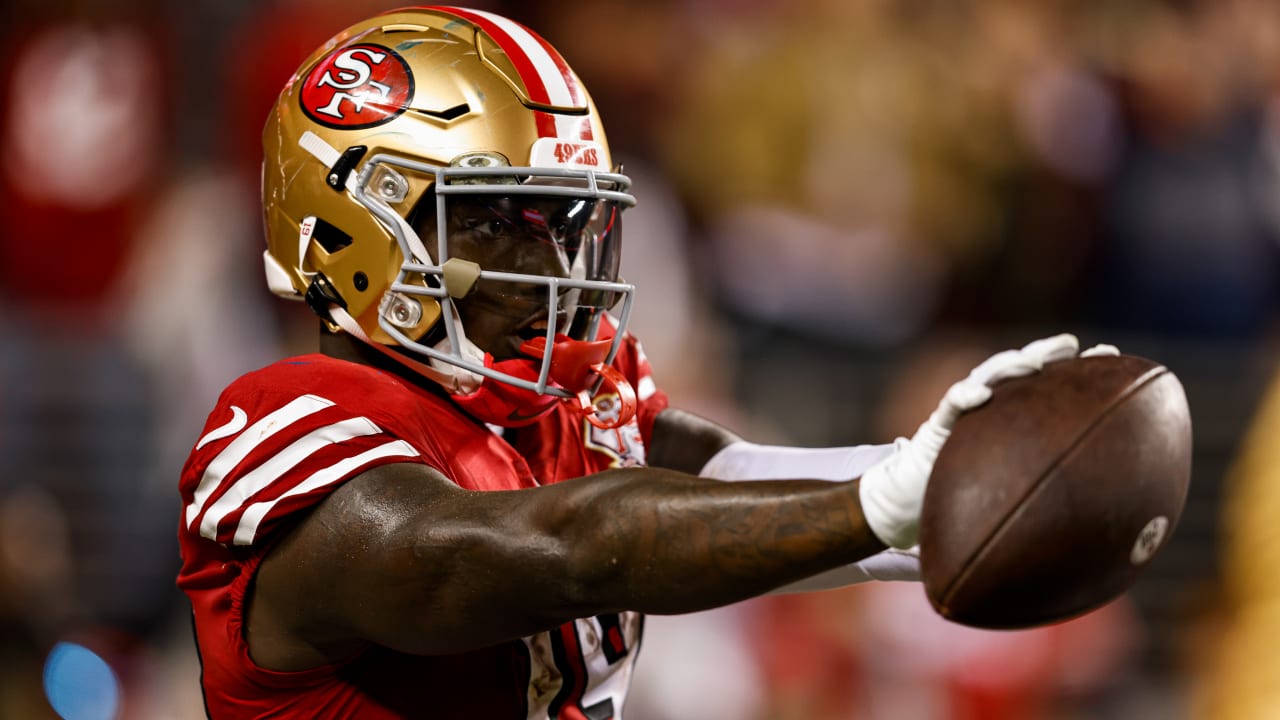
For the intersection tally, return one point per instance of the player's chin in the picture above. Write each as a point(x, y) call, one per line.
point(505, 346)
point(504, 353)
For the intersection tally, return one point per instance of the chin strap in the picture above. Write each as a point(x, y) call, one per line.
point(456, 380)
point(578, 366)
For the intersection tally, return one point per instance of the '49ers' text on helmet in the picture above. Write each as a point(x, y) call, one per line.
point(432, 160)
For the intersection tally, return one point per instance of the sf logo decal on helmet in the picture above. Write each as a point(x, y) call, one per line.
point(359, 86)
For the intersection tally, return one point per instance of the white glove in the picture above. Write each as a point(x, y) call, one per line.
point(892, 491)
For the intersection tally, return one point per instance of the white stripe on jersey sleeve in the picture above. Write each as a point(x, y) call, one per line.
point(238, 449)
point(282, 462)
point(238, 420)
point(247, 530)
point(647, 388)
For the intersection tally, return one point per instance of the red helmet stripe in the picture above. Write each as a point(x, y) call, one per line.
point(546, 124)
point(545, 74)
point(584, 127)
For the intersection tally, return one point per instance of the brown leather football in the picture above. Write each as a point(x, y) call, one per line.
point(1049, 500)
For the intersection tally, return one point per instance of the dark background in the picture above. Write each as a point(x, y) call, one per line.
point(843, 207)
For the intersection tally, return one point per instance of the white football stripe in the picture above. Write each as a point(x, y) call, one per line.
point(247, 530)
point(552, 78)
point(239, 449)
point(279, 464)
point(239, 418)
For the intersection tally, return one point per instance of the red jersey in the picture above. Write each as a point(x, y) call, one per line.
point(282, 438)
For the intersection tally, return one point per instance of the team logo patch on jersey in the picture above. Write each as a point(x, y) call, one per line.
point(622, 445)
point(358, 86)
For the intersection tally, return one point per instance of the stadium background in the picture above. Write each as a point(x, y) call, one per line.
point(844, 205)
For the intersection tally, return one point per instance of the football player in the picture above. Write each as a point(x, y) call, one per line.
point(464, 503)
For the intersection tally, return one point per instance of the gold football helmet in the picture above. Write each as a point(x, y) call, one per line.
point(430, 155)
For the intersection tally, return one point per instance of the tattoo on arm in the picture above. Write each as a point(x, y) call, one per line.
point(750, 540)
point(677, 549)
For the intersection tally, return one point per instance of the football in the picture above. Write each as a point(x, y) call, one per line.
point(1049, 500)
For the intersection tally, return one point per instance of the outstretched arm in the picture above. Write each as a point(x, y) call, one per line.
point(893, 476)
point(690, 443)
point(402, 557)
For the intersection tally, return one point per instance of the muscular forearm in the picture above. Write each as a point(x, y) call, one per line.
point(664, 542)
point(692, 544)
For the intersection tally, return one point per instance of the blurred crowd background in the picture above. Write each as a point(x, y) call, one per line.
point(844, 204)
